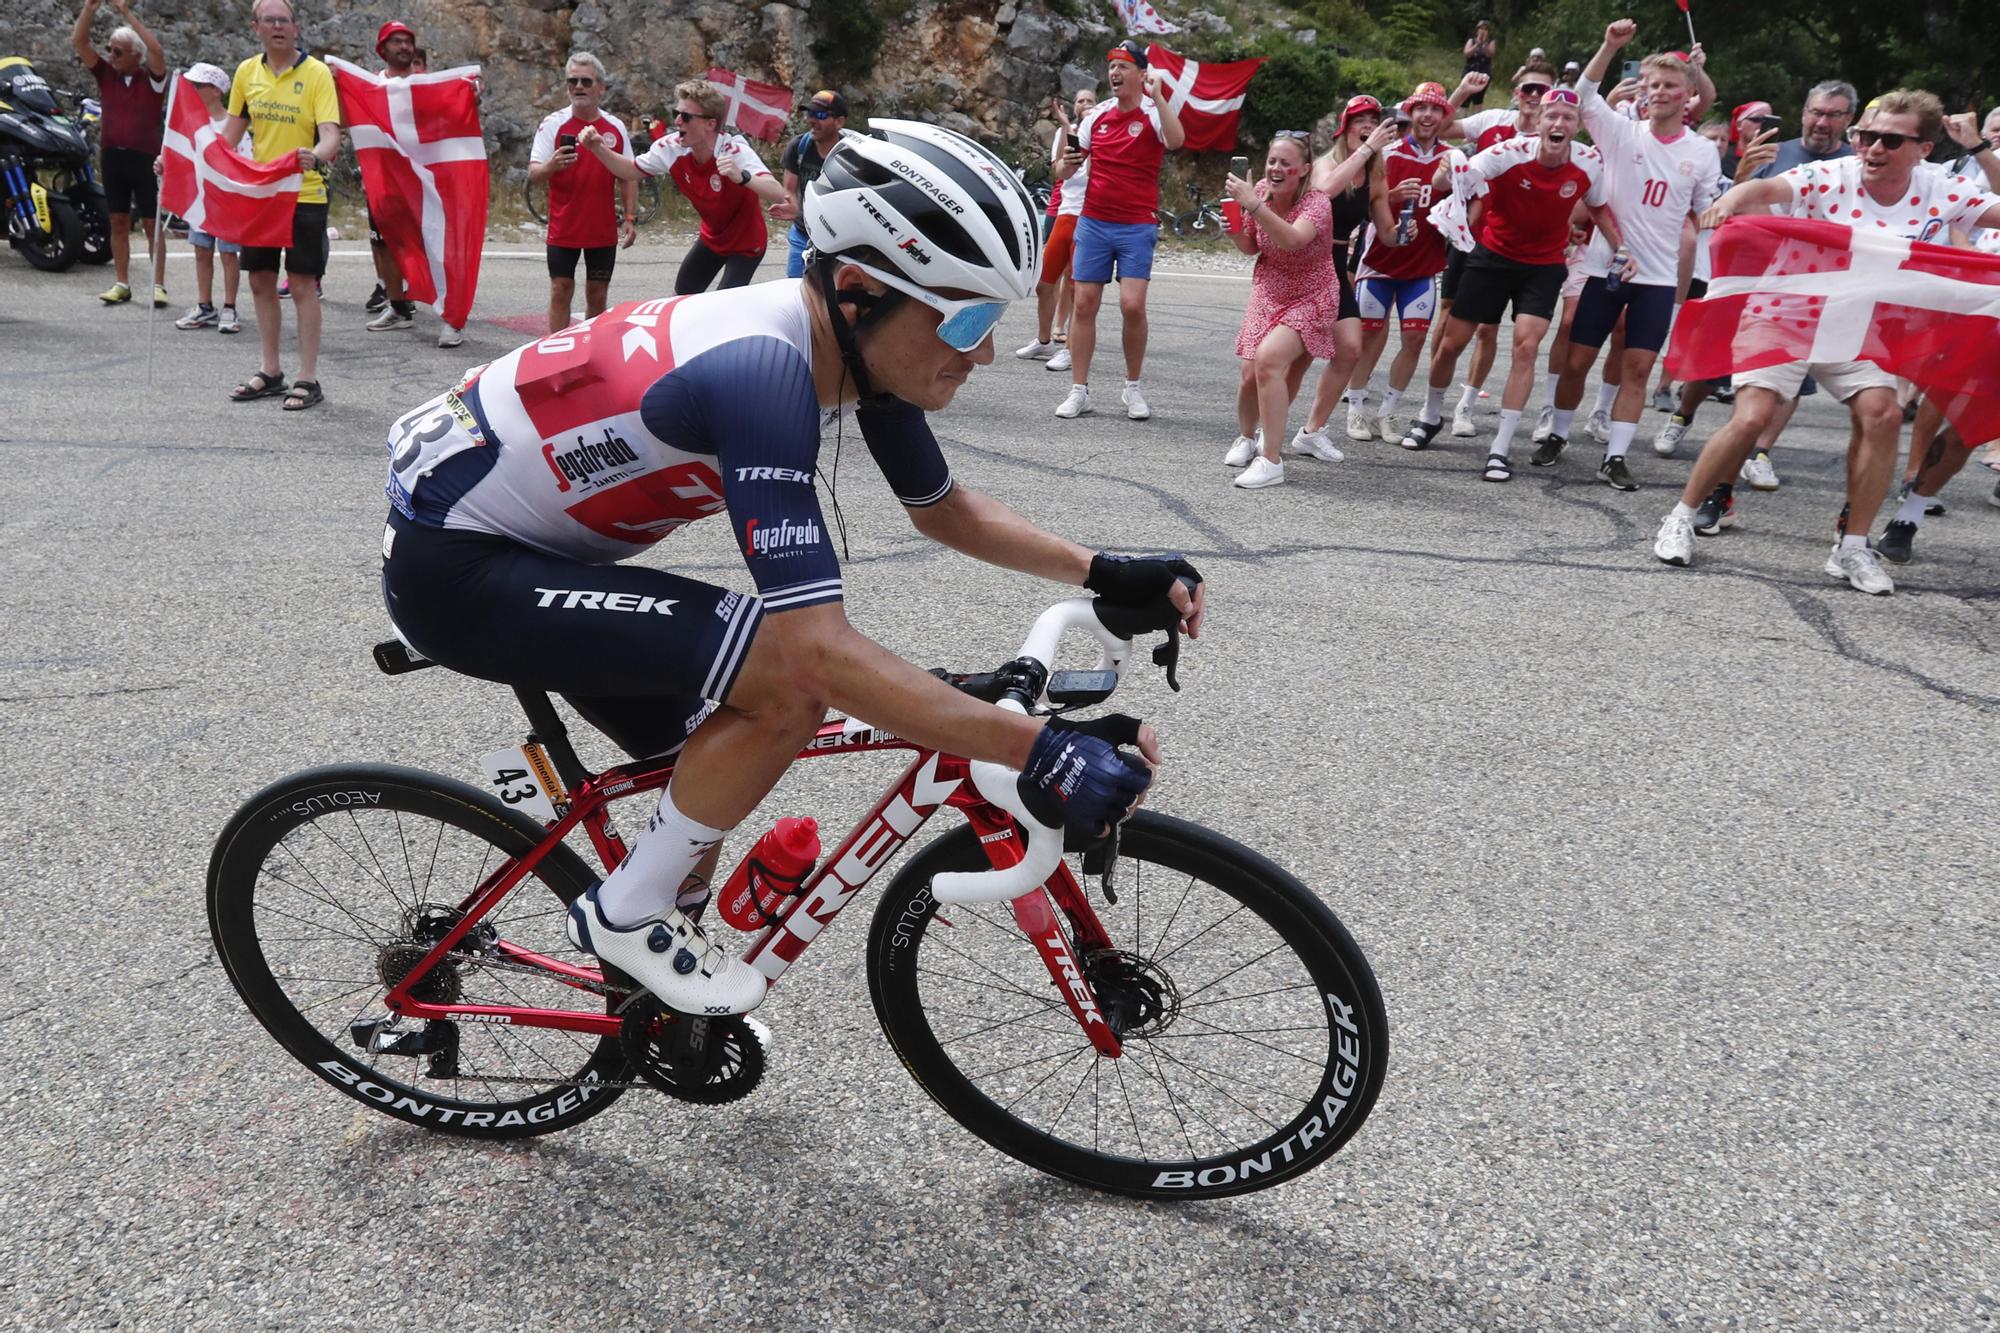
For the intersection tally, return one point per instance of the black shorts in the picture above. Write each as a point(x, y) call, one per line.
point(1349, 307)
point(1648, 311)
point(700, 265)
point(1454, 269)
point(1491, 282)
point(641, 671)
point(305, 257)
point(598, 261)
point(129, 183)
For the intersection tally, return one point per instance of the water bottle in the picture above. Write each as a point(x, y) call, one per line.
point(1614, 277)
point(1406, 221)
point(775, 869)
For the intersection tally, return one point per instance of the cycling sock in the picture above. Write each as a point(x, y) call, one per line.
point(1559, 420)
point(1621, 438)
point(1853, 541)
point(1607, 394)
point(1357, 400)
point(1503, 439)
point(1913, 509)
point(645, 883)
point(1682, 509)
point(1390, 397)
point(1467, 396)
point(1433, 407)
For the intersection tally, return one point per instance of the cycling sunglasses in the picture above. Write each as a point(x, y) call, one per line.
point(1869, 138)
point(1303, 136)
point(962, 324)
point(1561, 97)
point(1531, 89)
point(685, 116)
point(819, 115)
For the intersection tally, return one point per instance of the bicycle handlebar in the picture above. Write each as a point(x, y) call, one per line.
point(1042, 845)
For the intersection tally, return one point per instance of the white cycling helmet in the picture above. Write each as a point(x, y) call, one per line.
point(925, 208)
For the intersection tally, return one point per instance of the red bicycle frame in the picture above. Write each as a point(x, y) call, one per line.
point(931, 782)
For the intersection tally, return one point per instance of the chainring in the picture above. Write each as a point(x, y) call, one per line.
point(707, 1061)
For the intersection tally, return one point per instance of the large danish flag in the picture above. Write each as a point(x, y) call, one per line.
point(760, 110)
point(1785, 289)
point(216, 188)
point(1207, 98)
point(423, 168)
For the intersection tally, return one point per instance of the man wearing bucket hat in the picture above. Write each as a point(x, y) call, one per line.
point(211, 82)
point(1399, 270)
point(826, 117)
point(1126, 138)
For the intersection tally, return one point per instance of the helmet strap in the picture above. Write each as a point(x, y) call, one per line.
point(871, 306)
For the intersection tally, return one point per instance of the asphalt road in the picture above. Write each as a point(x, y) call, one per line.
point(1679, 884)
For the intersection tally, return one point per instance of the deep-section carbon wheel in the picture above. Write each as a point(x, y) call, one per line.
point(328, 887)
point(1254, 1039)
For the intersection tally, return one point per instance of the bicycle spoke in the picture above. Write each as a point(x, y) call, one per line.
point(1168, 929)
point(1197, 935)
point(1207, 1075)
point(1244, 1036)
point(1253, 995)
point(383, 874)
point(1036, 1085)
point(1088, 1071)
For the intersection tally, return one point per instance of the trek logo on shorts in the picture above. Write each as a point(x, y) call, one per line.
point(774, 474)
point(574, 600)
point(583, 463)
point(760, 540)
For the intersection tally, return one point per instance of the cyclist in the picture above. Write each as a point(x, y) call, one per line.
point(516, 493)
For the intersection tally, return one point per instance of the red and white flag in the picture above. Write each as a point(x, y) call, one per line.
point(1785, 289)
point(1139, 16)
point(216, 188)
point(760, 110)
point(423, 168)
point(1207, 98)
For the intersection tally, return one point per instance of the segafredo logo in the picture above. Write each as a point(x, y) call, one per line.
point(762, 539)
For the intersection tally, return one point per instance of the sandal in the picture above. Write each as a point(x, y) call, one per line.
point(303, 394)
point(258, 386)
point(1498, 468)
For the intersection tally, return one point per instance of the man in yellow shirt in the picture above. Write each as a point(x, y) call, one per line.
point(288, 104)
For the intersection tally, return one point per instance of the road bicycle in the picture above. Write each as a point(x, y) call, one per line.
point(1163, 1013)
point(1205, 221)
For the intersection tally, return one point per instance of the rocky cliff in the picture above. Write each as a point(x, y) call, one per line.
point(982, 66)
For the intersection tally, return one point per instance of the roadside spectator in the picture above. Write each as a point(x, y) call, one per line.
point(396, 43)
point(718, 172)
point(211, 84)
point(1571, 73)
point(1538, 54)
point(583, 223)
point(1829, 110)
point(826, 117)
point(131, 77)
point(1479, 50)
point(1127, 139)
point(288, 103)
point(1054, 289)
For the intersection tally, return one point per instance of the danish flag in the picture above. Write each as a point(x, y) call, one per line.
point(423, 168)
point(1207, 98)
point(759, 110)
point(216, 188)
point(1786, 289)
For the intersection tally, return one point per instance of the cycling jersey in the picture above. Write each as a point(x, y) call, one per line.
point(1426, 251)
point(1528, 205)
point(594, 443)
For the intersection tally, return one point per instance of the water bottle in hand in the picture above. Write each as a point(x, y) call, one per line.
point(1406, 221)
point(1614, 278)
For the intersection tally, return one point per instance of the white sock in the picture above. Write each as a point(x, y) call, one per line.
point(1549, 389)
point(646, 882)
point(1682, 509)
point(1621, 438)
point(1913, 509)
point(1854, 541)
point(1559, 421)
point(1503, 439)
point(1433, 407)
point(1390, 397)
point(1131, 384)
point(1467, 396)
point(1357, 400)
point(1607, 394)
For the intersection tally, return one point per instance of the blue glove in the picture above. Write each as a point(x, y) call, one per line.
point(1076, 778)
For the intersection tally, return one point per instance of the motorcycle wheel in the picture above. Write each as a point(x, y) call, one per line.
point(57, 249)
point(96, 228)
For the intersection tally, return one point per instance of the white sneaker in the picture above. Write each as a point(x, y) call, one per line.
point(391, 318)
point(198, 317)
point(1599, 426)
point(1862, 569)
point(1670, 437)
point(1317, 443)
point(1675, 544)
point(1461, 423)
point(1135, 403)
point(1757, 470)
point(1077, 404)
point(1262, 472)
point(229, 323)
point(1060, 361)
point(1360, 424)
point(670, 956)
point(1545, 422)
point(450, 337)
point(1391, 427)
point(1036, 351)
point(1246, 448)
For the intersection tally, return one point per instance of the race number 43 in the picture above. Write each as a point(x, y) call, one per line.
point(522, 777)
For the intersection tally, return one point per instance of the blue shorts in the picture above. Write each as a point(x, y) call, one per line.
point(1100, 244)
point(795, 262)
point(1648, 311)
point(1414, 300)
point(201, 240)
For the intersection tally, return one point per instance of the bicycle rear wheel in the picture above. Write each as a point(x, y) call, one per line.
point(330, 885)
point(1253, 1031)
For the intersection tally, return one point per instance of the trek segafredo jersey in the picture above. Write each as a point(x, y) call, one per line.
point(596, 442)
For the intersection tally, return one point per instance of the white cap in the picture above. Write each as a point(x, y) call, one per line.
point(1536, 53)
point(213, 75)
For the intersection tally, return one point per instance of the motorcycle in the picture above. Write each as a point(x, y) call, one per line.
point(53, 204)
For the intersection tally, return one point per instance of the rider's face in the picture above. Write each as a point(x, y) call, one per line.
point(906, 357)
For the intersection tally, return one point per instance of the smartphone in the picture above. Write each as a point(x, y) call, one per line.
point(1768, 122)
point(565, 141)
point(1075, 144)
point(1239, 167)
point(1630, 70)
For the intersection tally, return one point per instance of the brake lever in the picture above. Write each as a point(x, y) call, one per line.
point(1168, 655)
point(1100, 860)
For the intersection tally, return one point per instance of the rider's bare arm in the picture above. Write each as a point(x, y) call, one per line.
point(977, 525)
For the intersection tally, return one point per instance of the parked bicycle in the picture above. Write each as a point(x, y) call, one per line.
point(1200, 1025)
point(1204, 221)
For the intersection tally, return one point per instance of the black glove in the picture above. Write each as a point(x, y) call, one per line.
point(1135, 580)
point(1076, 777)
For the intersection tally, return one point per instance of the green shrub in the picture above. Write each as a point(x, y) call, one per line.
point(850, 36)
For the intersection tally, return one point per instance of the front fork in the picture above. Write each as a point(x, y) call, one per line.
point(31, 207)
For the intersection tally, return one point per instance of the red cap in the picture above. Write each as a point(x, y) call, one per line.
point(1741, 111)
point(390, 29)
point(1360, 104)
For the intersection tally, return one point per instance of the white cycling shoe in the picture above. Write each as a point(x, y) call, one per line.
point(672, 957)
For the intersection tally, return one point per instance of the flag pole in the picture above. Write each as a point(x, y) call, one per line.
point(158, 248)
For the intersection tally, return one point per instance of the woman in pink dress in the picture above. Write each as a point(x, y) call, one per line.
point(1294, 301)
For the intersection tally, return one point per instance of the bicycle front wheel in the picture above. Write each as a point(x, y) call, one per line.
point(1254, 1040)
point(330, 886)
